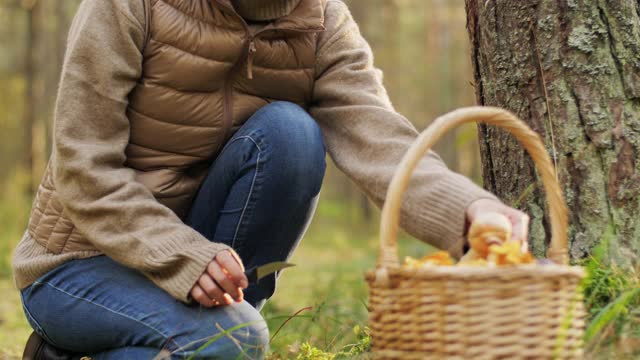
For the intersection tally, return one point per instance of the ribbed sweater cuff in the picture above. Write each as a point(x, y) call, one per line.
point(446, 219)
point(187, 260)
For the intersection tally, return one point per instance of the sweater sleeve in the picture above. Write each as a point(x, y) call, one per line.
point(100, 195)
point(367, 138)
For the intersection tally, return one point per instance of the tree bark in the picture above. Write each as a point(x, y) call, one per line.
point(30, 94)
point(571, 70)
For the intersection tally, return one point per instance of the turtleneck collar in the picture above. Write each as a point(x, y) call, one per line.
point(264, 10)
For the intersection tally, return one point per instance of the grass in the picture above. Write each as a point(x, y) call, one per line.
point(612, 297)
point(14, 211)
point(14, 329)
point(328, 294)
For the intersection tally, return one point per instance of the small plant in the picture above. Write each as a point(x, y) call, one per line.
point(308, 351)
point(612, 295)
point(361, 346)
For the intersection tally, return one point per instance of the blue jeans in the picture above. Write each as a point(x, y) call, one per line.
point(258, 197)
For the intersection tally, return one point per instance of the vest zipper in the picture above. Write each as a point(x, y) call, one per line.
point(227, 101)
point(247, 55)
point(252, 50)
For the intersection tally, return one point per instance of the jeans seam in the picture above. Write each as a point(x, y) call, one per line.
point(238, 138)
point(246, 204)
point(166, 337)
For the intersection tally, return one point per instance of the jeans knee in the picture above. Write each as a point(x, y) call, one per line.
point(241, 333)
point(295, 141)
point(251, 340)
point(290, 124)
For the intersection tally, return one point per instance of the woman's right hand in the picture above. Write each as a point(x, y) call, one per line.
point(222, 282)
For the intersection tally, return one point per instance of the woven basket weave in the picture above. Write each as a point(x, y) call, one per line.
point(445, 312)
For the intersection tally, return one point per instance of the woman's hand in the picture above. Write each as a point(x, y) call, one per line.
point(518, 219)
point(222, 282)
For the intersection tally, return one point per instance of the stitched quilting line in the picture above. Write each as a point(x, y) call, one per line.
point(157, 154)
point(42, 211)
point(181, 50)
point(186, 52)
point(202, 93)
point(73, 229)
point(176, 124)
point(42, 216)
point(166, 337)
point(172, 152)
point(59, 216)
point(55, 229)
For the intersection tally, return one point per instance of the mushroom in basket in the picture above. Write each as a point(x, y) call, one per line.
point(491, 245)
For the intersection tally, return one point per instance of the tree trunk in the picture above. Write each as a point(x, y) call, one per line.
point(571, 70)
point(30, 94)
point(60, 40)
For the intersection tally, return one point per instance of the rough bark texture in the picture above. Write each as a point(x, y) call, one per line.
point(571, 69)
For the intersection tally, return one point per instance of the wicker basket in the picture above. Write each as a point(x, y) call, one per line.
point(518, 312)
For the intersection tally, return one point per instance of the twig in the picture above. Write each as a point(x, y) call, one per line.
point(546, 99)
point(288, 319)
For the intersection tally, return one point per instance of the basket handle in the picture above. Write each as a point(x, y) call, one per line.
point(489, 115)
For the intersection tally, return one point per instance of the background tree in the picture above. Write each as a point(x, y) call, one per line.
point(30, 98)
point(571, 69)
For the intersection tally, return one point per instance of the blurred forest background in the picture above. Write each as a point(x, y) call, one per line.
point(422, 47)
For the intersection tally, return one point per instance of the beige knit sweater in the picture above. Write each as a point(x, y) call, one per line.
point(364, 136)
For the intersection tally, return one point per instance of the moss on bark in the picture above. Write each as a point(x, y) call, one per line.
point(571, 70)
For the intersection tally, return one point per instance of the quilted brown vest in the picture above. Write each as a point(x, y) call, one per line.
point(205, 72)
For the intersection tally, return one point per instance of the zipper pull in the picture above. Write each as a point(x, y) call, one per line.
point(252, 50)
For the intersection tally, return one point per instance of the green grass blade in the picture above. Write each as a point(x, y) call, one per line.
point(218, 337)
point(610, 312)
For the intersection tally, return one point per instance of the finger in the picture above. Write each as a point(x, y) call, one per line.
point(223, 281)
point(520, 226)
point(211, 289)
point(235, 269)
point(238, 260)
point(199, 295)
point(525, 233)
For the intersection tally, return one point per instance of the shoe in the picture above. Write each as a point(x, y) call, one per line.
point(38, 349)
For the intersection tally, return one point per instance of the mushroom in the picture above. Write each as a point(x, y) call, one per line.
point(486, 230)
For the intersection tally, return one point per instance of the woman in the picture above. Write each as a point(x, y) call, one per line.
point(189, 143)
